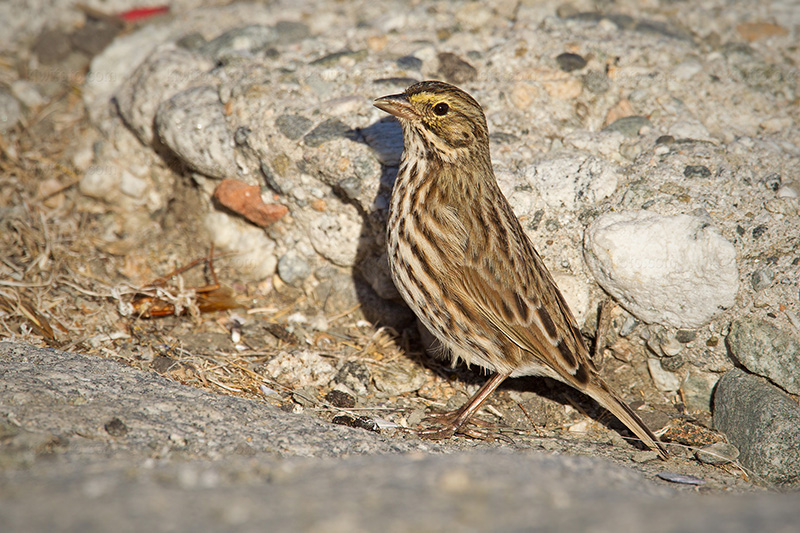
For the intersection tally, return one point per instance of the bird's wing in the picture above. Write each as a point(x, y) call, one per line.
point(512, 288)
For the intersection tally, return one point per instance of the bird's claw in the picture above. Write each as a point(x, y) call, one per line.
point(445, 425)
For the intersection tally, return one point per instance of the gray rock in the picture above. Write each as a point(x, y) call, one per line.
point(76, 394)
point(568, 61)
point(629, 126)
point(409, 63)
point(101, 182)
point(454, 69)
point(293, 126)
point(10, 111)
point(293, 269)
point(719, 453)
point(192, 123)
point(696, 171)
point(165, 73)
point(698, 389)
point(290, 31)
point(93, 36)
point(238, 41)
point(762, 278)
point(52, 46)
point(596, 82)
point(397, 380)
point(766, 350)
point(326, 131)
point(763, 422)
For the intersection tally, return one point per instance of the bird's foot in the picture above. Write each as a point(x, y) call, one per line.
point(445, 425)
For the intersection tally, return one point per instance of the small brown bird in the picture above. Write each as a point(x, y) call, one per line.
point(464, 265)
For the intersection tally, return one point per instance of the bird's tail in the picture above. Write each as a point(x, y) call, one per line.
point(603, 395)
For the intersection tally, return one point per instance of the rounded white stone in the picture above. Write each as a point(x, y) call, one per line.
point(676, 271)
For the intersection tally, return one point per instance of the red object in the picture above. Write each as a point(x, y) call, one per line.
point(142, 13)
point(246, 200)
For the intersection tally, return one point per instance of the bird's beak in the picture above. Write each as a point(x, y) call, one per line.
point(397, 105)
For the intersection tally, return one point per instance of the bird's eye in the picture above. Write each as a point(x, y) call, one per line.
point(441, 109)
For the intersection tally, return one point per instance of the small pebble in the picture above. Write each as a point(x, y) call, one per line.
point(762, 279)
point(326, 131)
point(773, 181)
point(455, 70)
point(344, 56)
point(629, 126)
point(696, 171)
point(178, 440)
point(719, 453)
point(409, 63)
point(596, 82)
point(10, 111)
point(116, 427)
point(672, 363)
point(293, 268)
point(685, 335)
point(790, 190)
point(644, 456)
point(361, 422)
point(266, 391)
point(671, 346)
point(385, 424)
point(293, 126)
point(340, 399)
point(628, 326)
point(416, 417)
point(759, 230)
point(685, 479)
point(663, 379)
point(51, 46)
point(245, 199)
point(569, 62)
point(305, 396)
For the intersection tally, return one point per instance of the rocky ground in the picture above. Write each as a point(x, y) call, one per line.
point(201, 194)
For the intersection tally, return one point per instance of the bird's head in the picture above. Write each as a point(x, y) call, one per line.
point(443, 116)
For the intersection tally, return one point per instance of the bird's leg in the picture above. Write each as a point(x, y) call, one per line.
point(603, 327)
point(450, 423)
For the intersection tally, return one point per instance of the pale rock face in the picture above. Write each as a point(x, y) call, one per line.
point(676, 271)
point(576, 293)
point(572, 180)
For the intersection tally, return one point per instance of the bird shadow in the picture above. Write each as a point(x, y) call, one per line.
point(379, 301)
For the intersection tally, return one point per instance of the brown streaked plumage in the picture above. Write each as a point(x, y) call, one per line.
point(464, 265)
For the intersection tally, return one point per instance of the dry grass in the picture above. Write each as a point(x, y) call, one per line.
point(63, 286)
